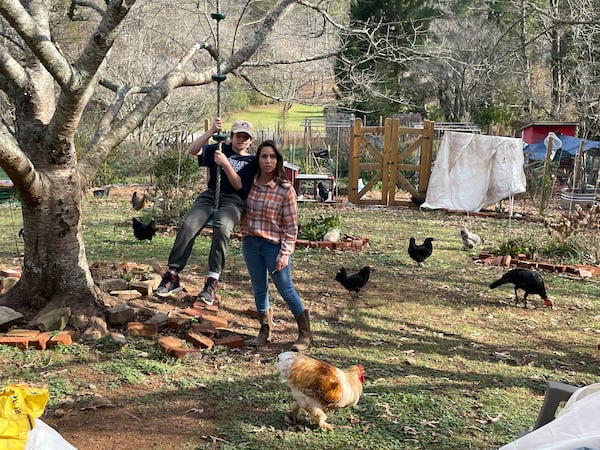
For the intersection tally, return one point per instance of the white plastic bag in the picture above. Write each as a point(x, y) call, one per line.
point(44, 437)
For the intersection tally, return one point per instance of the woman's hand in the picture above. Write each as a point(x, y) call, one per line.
point(281, 263)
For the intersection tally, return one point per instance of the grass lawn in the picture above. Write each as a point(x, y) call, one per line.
point(269, 117)
point(450, 364)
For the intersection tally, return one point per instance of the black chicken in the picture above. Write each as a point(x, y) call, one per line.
point(353, 282)
point(138, 202)
point(323, 191)
point(144, 231)
point(420, 252)
point(528, 280)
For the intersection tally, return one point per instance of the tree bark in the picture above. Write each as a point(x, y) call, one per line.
point(55, 271)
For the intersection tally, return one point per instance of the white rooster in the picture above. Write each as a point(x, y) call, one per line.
point(470, 240)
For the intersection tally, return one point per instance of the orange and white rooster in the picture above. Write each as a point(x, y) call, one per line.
point(318, 387)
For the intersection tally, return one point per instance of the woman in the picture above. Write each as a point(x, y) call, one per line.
point(270, 227)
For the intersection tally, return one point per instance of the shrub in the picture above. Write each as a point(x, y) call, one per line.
point(315, 228)
point(176, 178)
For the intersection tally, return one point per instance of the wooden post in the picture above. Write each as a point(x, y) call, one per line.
point(392, 162)
point(354, 163)
point(578, 166)
point(546, 176)
point(388, 146)
point(426, 156)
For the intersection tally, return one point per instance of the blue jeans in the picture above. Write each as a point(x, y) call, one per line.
point(261, 257)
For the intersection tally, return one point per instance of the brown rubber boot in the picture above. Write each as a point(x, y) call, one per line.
point(264, 335)
point(304, 335)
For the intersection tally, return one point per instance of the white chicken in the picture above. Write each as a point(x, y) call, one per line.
point(470, 240)
point(318, 387)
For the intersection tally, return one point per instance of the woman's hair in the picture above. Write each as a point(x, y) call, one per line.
point(280, 177)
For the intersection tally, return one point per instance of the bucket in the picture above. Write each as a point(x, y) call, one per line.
point(569, 198)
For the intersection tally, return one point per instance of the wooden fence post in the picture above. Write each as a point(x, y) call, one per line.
point(426, 156)
point(354, 163)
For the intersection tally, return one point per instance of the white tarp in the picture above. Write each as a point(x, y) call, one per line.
point(575, 427)
point(472, 171)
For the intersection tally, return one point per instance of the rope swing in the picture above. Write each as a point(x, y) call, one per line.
point(219, 137)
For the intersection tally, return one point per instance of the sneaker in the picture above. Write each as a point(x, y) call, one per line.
point(210, 289)
point(169, 284)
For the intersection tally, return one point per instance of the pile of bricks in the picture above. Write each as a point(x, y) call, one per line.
point(345, 243)
point(24, 338)
point(577, 270)
point(187, 332)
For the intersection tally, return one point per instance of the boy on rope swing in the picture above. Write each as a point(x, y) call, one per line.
point(238, 168)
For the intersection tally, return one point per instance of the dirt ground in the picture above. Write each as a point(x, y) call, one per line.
point(166, 422)
point(173, 422)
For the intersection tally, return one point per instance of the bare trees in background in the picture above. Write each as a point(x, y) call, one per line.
point(120, 60)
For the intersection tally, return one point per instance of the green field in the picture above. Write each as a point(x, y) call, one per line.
point(269, 117)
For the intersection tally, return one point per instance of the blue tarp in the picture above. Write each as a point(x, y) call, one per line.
point(570, 147)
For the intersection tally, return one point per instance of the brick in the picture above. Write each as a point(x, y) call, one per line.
point(199, 304)
point(193, 312)
point(524, 264)
point(10, 273)
point(160, 319)
point(252, 312)
point(112, 284)
point(128, 266)
point(7, 283)
point(23, 332)
point(206, 327)
point(41, 340)
point(231, 341)
point(126, 294)
point(143, 287)
point(178, 323)
point(21, 342)
point(169, 343)
point(120, 314)
point(65, 337)
point(572, 269)
point(142, 329)
point(218, 321)
point(198, 339)
point(180, 353)
point(506, 260)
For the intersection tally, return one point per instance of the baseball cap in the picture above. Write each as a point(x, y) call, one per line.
point(243, 126)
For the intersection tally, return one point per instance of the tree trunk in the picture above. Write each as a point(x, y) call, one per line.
point(55, 271)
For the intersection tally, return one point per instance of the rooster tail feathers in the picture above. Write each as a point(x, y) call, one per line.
point(497, 283)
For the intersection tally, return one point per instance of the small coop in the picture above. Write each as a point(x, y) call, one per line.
point(307, 184)
point(307, 187)
point(537, 131)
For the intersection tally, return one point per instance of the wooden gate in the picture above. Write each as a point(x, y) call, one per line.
point(390, 163)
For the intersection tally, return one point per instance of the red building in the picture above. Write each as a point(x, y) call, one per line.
point(537, 131)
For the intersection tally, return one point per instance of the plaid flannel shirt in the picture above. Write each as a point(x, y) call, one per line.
point(272, 213)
